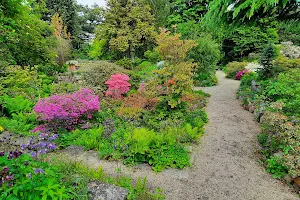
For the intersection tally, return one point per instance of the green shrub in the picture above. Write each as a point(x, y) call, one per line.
point(263, 139)
point(247, 39)
point(247, 79)
point(21, 123)
point(25, 82)
point(206, 54)
point(16, 104)
point(32, 179)
point(152, 56)
point(51, 69)
point(266, 60)
point(145, 70)
point(287, 63)
point(90, 139)
point(289, 31)
point(174, 156)
point(205, 79)
point(233, 68)
point(95, 74)
point(159, 150)
point(286, 87)
point(135, 80)
point(275, 167)
point(126, 63)
point(64, 88)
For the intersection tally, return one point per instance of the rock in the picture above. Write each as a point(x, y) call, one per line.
point(278, 154)
point(252, 108)
point(160, 64)
point(287, 178)
point(103, 191)
point(297, 181)
point(258, 113)
point(254, 86)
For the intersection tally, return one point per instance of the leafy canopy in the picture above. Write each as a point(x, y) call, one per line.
point(128, 25)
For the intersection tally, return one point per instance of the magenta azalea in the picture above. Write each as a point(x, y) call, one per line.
point(67, 110)
point(240, 74)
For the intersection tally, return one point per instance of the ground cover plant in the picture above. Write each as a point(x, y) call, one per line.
point(274, 98)
point(23, 177)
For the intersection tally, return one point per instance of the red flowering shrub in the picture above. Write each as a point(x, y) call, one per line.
point(67, 110)
point(117, 86)
point(241, 73)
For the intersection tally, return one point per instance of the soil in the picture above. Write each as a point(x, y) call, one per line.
point(225, 165)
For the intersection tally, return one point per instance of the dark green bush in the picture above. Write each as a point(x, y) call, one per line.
point(126, 63)
point(247, 79)
point(247, 39)
point(286, 87)
point(152, 56)
point(266, 60)
point(206, 54)
point(289, 31)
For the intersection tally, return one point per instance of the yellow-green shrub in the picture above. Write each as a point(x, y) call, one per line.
point(130, 112)
point(233, 68)
point(285, 63)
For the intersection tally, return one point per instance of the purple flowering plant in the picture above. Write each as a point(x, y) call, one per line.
point(67, 110)
point(41, 144)
point(241, 73)
point(21, 177)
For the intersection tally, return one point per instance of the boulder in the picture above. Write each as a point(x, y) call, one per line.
point(103, 191)
point(254, 86)
point(297, 181)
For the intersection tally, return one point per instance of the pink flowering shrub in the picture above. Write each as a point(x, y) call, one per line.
point(241, 73)
point(67, 110)
point(117, 86)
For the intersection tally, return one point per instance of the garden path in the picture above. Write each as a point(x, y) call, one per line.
point(225, 166)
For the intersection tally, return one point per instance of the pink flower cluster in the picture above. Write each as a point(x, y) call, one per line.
point(240, 74)
point(65, 111)
point(117, 86)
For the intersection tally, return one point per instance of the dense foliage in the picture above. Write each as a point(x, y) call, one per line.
point(145, 56)
point(24, 38)
point(128, 27)
point(274, 98)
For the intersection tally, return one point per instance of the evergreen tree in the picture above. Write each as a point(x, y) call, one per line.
point(128, 27)
point(67, 9)
point(187, 10)
point(266, 61)
point(161, 11)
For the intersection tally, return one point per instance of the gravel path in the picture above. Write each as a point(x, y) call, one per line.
point(224, 164)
